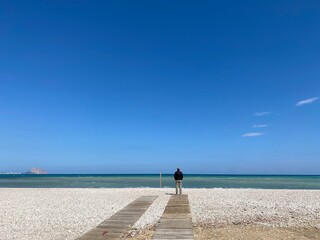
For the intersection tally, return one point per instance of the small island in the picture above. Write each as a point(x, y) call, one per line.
point(36, 171)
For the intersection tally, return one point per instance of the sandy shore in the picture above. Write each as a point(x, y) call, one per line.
point(55, 214)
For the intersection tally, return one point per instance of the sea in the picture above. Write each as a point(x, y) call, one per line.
point(153, 181)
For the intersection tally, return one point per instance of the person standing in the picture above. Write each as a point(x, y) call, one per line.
point(178, 176)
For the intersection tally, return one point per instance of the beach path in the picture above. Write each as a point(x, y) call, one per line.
point(119, 223)
point(176, 221)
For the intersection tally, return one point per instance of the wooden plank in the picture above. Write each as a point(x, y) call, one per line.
point(118, 224)
point(176, 220)
point(176, 225)
point(174, 231)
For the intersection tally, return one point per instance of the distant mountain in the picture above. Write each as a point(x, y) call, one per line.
point(36, 171)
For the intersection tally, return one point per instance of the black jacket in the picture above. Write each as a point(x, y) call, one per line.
point(178, 175)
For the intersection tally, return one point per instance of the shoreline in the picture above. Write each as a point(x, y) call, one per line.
point(194, 181)
point(67, 213)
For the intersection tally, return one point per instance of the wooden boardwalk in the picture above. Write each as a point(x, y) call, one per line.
point(176, 221)
point(119, 223)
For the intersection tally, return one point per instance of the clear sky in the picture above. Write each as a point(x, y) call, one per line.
point(148, 86)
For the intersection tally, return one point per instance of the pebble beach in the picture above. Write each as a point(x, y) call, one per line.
point(55, 213)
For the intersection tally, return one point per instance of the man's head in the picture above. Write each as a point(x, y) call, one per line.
point(178, 169)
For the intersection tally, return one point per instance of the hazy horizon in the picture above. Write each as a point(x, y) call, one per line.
point(165, 173)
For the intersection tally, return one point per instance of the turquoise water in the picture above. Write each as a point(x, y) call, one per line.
point(153, 180)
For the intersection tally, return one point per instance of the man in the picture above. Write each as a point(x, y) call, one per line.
point(178, 176)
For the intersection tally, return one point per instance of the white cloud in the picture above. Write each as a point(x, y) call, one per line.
point(252, 134)
point(260, 125)
point(306, 101)
point(259, 114)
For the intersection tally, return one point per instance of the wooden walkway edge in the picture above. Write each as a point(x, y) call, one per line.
point(119, 223)
point(176, 220)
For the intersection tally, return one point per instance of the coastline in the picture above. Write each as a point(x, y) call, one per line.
point(153, 181)
point(60, 213)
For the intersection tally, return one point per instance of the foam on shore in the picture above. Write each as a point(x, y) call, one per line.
point(34, 214)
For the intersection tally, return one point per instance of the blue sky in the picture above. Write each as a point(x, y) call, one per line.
point(147, 86)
